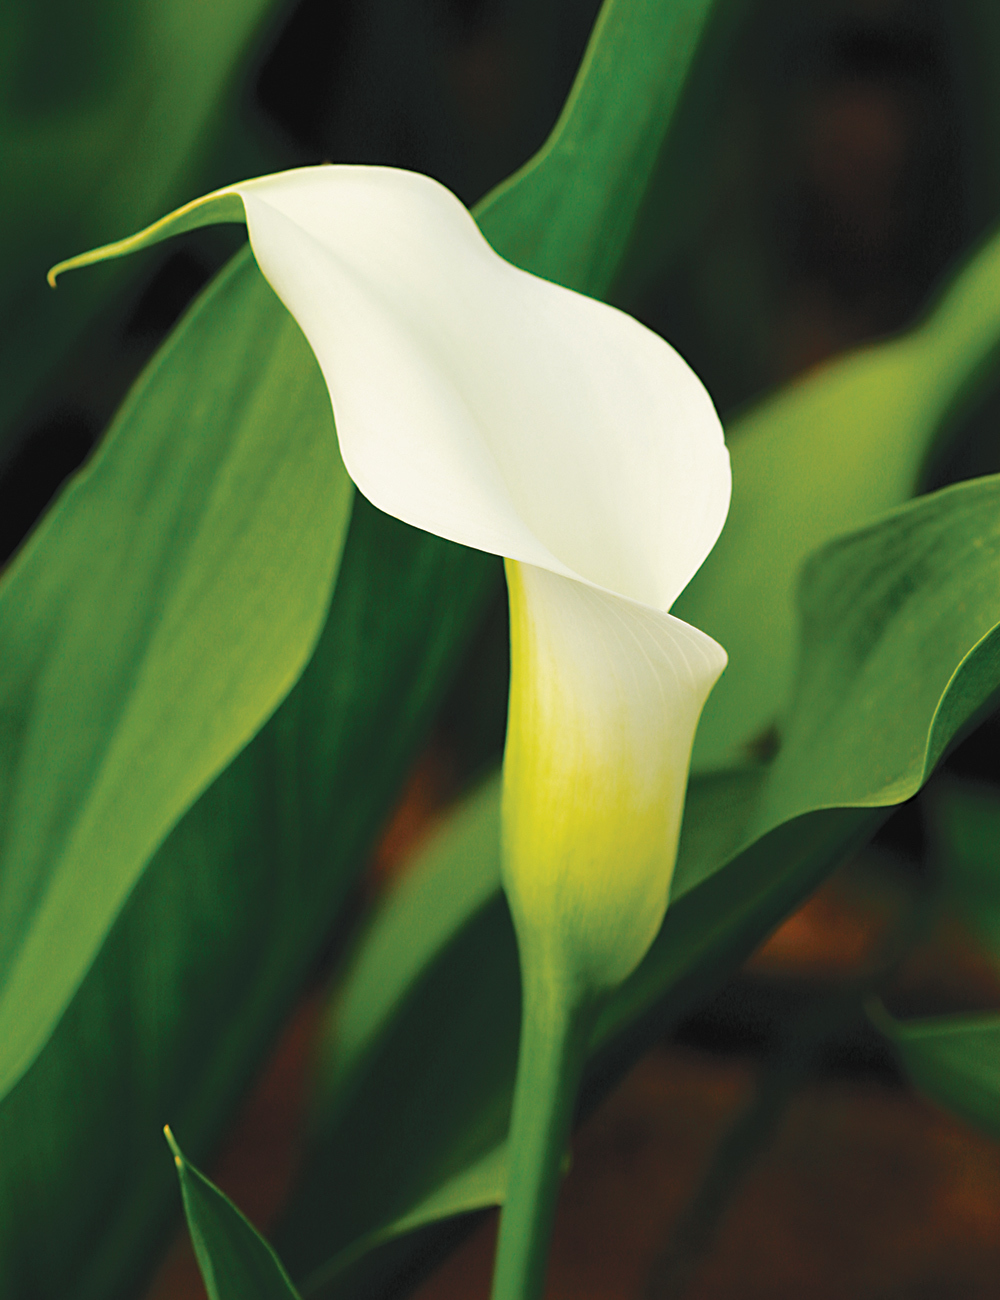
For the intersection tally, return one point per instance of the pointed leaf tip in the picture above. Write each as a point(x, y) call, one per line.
point(236, 1262)
point(211, 210)
point(172, 1143)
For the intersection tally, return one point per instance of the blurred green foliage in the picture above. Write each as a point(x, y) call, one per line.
point(109, 113)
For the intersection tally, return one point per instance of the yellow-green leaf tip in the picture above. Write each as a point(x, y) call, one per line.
point(212, 209)
point(178, 1158)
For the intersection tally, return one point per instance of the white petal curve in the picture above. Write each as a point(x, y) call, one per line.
point(483, 404)
point(605, 698)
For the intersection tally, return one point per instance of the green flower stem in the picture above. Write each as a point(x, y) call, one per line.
point(555, 1029)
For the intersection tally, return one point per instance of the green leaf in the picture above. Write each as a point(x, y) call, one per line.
point(108, 113)
point(457, 874)
point(482, 1184)
point(569, 213)
point(826, 455)
point(900, 652)
point(236, 1262)
point(156, 618)
point(399, 1142)
point(197, 975)
point(955, 1060)
point(901, 649)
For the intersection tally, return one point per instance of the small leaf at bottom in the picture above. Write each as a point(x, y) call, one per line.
point(236, 1262)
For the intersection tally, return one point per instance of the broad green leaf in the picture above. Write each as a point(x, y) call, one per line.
point(399, 1142)
point(901, 649)
point(236, 1262)
point(955, 1060)
point(108, 113)
point(197, 975)
point(151, 625)
point(481, 1184)
point(826, 455)
point(569, 213)
point(674, 217)
point(900, 654)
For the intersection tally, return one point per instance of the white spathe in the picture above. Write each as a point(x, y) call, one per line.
point(496, 409)
point(485, 404)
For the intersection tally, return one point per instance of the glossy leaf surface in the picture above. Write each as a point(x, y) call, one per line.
point(151, 625)
point(196, 976)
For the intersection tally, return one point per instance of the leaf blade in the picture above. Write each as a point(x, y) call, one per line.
point(954, 1060)
point(569, 212)
point(826, 455)
point(236, 1262)
point(167, 579)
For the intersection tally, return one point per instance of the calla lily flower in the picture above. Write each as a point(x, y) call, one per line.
point(504, 412)
point(501, 411)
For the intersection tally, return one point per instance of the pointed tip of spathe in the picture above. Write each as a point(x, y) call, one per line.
point(220, 206)
point(72, 263)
